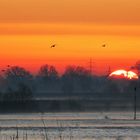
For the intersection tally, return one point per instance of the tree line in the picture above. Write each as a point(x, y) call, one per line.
point(18, 84)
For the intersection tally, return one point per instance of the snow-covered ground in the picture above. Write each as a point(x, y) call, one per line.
point(70, 126)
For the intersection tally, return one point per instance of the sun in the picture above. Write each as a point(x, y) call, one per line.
point(124, 75)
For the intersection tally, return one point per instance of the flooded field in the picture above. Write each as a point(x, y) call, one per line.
point(70, 126)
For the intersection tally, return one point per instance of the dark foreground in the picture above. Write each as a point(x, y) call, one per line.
point(69, 105)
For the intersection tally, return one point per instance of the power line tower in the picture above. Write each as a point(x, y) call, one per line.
point(109, 70)
point(91, 65)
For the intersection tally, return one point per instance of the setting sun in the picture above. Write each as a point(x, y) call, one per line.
point(124, 74)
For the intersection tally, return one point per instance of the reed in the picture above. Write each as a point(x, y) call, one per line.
point(44, 127)
point(17, 134)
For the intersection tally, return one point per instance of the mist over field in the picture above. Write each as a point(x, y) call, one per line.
point(77, 89)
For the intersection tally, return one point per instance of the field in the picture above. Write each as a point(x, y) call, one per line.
point(70, 126)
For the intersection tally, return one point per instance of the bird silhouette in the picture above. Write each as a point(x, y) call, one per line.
point(53, 46)
point(104, 45)
point(106, 117)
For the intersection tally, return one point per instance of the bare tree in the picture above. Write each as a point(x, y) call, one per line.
point(76, 78)
point(19, 83)
point(136, 67)
point(47, 71)
point(17, 74)
point(47, 79)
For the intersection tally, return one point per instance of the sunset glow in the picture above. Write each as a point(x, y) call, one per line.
point(78, 28)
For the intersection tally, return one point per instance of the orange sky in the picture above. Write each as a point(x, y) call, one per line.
point(78, 28)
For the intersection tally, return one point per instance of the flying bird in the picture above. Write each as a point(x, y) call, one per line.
point(53, 46)
point(104, 45)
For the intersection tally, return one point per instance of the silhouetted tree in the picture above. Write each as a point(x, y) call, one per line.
point(19, 83)
point(53, 74)
point(47, 78)
point(111, 87)
point(17, 74)
point(68, 80)
point(44, 71)
point(136, 67)
point(84, 77)
point(22, 94)
point(76, 78)
point(48, 72)
point(3, 84)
